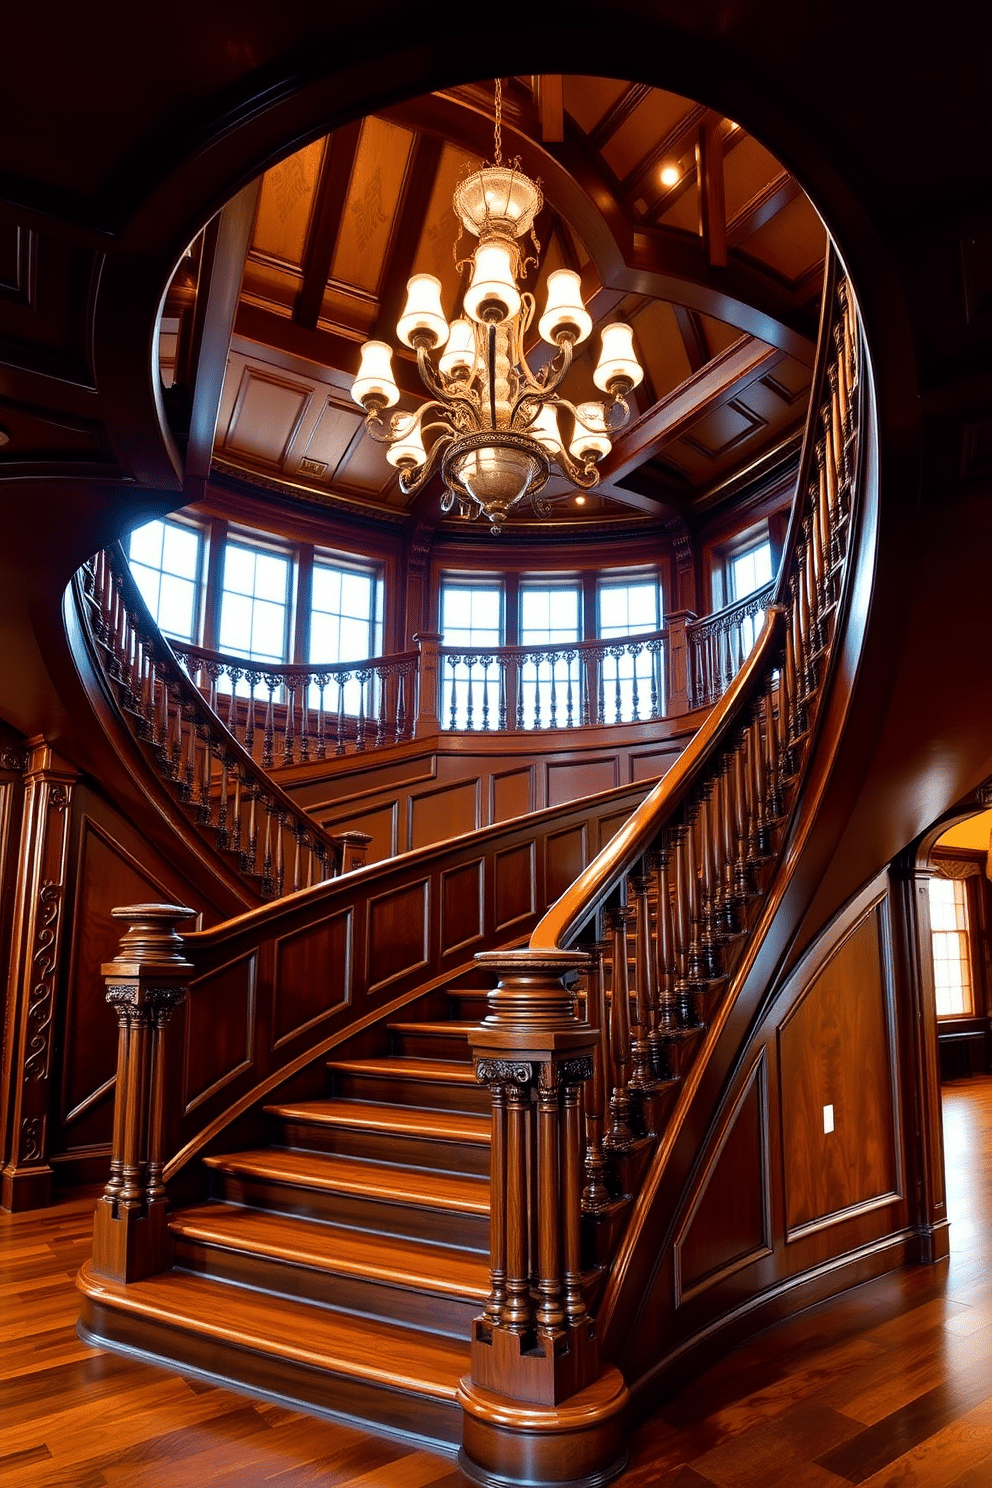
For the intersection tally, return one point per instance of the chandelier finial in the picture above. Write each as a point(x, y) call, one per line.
point(498, 125)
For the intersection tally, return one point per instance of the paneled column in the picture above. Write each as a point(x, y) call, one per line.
point(36, 943)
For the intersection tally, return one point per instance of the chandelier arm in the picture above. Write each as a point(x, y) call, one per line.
point(384, 434)
point(443, 395)
point(614, 424)
point(412, 480)
point(581, 473)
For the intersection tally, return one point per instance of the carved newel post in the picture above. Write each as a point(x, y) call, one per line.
point(146, 982)
point(539, 1406)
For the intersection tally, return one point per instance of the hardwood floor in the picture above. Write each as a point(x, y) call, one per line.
point(890, 1387)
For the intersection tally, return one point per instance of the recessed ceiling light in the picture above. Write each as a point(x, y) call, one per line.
point(669, 175)
point(580, 501)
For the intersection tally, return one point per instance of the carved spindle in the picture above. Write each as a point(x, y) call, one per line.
point(469, 706)
point(620, 1136)
point(595, 1196)
point(340, 746)
point(487, 662)
point(660, 864)
point(642, 1079)
point(250, 713)
point(453, 713)
point(550, 1313)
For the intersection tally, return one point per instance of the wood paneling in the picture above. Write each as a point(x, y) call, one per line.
point(568, 781)
point(652, 764)
point(512, 793)
point(515, 890)
point(220, 1028)
point(380, 823)
point(567, 855)
point(834, 1050)
point(398, 933)
point(266, 415)
point(461, 906)
point(728, 1224)
point(312, 978)
point(445, 812)
point(106, 876)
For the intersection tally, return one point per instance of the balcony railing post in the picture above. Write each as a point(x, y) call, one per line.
point(535, 1347)
point(146, 981)
point(428, 716)
point(680, 689)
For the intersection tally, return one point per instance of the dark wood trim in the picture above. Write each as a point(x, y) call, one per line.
point(330, 195)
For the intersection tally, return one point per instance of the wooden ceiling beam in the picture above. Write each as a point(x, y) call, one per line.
point(615, 117)
point(660, 262)
point(712, 202)
point(335, 355)
point(220, 282)
point(761, 209)
point(325, 221)
point(408, 225)
point(680, 138)
point(713, 385)
point(693, 337)
point(549, 95)
point(638, 500)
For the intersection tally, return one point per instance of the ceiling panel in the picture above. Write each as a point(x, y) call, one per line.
point(589, 99)
point(747, 170)
point(792, 243)
point(373, 193)
point(640, 134)
point(267, 413)
point(660, 346)
point(285, 204)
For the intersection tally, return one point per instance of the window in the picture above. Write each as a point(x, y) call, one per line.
point(631, 682)
point(749, 569)
point(550, 616)
point(471, 616)
point(345, 614)
point(166, 560)
point(254, 603)
point(951, 949)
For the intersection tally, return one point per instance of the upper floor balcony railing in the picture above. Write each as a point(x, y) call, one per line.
point(292, 714)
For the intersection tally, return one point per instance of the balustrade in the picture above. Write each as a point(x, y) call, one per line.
point(229, 798)
point(680, 886)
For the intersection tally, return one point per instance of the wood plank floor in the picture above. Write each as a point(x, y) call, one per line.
point(890, 1387)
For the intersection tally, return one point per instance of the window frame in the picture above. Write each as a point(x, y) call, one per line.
point(261, 542)
point(202, 532)
point(968, 932)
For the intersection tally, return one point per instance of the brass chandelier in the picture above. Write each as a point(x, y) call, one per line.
point(493, 426)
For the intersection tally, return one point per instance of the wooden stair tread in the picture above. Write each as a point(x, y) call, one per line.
point(327, 1247)
point(458, 1028)
point(445, 1126)
point(403, 1066)
point(424, 1187)
point(365, 1348)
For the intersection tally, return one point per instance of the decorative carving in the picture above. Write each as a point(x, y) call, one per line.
point(13, 758)
point(58, 798)
point(574, 1071)
point(503, 1072)
point(32, 1139)
point(41, 1002)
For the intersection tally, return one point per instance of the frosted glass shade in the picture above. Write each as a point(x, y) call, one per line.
point(565, 314)
point(617, 362)
point(492, 296)
point(422, 312)
point(375, 376)
point(458, 356)
point(498, 476)
point(589, 435)
point(407, 448)
point(498, 200)
point(545, 430)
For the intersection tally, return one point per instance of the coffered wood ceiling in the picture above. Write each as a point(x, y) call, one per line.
point(719, 274)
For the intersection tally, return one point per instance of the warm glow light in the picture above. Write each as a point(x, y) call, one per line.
point(590, 436)
point(545, 429)
point(458, 357)
point(617, 362)
point(422, 312)
point(375, 376)
point(407, 448)
point(565, 314)
point(493, 295)
point(670, 175)
point(580, 501)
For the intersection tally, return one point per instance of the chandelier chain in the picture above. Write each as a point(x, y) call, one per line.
point(498, 129)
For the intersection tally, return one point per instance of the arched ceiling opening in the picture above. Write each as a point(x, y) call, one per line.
point(677, 219)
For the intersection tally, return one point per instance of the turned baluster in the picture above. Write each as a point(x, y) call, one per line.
point(537, 689)
point(553, 712)
point(223, 836)
point(146, 981)
point(573, 1301)
point(496, 1301)
point(516, 1311)
point(761, 834)
point(709, 935)
point(249, 739)
point(642, 1079)
point(279, 864)
point(634, 652)
point(744, 888)
point(550, 1312)
point(685, 1001)
point(237, 836)
point(453, 711)
point(268, 883)
point(268, 727)
point(729, 903)
point(204, 803)
point(595, 1196)
point(299, 832)
point(620, 1137)
point(569, 699)
point(320, 682)
point(340, 736)
point(502, 702)
point(469, 703)
point(289, 722)
point(400, 730)
point(303, 683)
point(664, 947)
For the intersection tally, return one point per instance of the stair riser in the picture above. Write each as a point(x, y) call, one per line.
point(468, 1007)
point(358, 1212)
point(374, 1406)
point(394, 1147)
point(434, 1095)
point(450, 1316)
point(453, 1046)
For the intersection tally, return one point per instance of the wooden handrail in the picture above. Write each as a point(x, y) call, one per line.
point(233, 802)
point(685, 875)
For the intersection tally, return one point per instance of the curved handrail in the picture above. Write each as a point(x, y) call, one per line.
point(234, 803)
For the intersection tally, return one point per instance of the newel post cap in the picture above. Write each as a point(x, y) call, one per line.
point(151, 948)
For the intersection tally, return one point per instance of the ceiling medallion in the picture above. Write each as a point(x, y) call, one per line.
point(495, 427)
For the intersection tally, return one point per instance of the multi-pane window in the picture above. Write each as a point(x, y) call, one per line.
point(471, 616)
point(345, 625)
point(749, 569)
point(254, 603)
point(631, 682)
point(951, 951)
point(550, 615)
point(166, 560)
